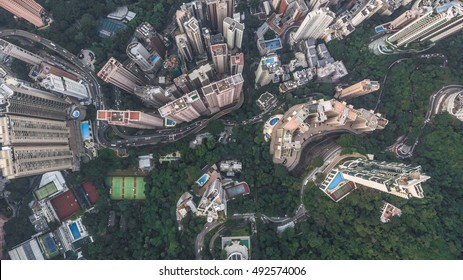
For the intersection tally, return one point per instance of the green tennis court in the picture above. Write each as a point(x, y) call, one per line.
point(116, 188)
point(127, 187)
point(46, 191)
point(140, 188)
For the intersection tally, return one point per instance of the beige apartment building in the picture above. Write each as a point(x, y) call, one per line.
point(134, 119)
point(28, 10)
point(115, 73)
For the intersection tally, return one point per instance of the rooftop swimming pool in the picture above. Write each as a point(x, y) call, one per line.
point(338, 178)
point(273, 44)
point(75, 231)
point(269, 60)
point(201, 181)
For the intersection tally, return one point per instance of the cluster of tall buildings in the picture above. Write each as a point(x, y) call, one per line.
point(214, 97)
point(427, 24)
point(197, 21)
point(34, 134)
point(188, 95)
point(28, 10)
point(304, 121)
point(311, 61)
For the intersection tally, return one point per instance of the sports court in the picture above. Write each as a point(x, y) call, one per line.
point(126, 187)
point(47, 242)
point(46, 191)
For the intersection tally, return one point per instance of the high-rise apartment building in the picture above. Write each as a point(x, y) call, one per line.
point(233, 33)
point(293, 10)
point(184, 48)
point(217, 11)
point(220, 58)
point(394, 178)
point(26, 101)
point(224, 92)
point(33, 132)
point(182, 16)
point(183, 84)
point(28, 10)
point(202, 76)
point(149, 62)
point(150, 38)
point(236, 63)
point(19, 53)
point(65, 86)
point(154, 96)
point(185, 108)
point(313, 25)
point(358, 89)
point(21, 130)
point(134, 119)
point(368, 9)
point(433, 25)
point(22, 161)
point(115, 73)
point(316, 4)
point(268, 67)
point(193, 32)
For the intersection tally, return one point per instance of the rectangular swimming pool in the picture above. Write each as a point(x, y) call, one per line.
point(75, 231)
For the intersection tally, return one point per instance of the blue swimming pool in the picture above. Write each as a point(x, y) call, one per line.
point(269, 60)
point(85, 128)
point(154, 58)
point(75, 231)
point(273, 44)
point(379, 29)
point(170, 122)
point(201, 181)
point(274, 121)
point(338, 178)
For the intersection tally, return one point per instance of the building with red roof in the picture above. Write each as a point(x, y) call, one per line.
point(65, 205)
point(91, 192)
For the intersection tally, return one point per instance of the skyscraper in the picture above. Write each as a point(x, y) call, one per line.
point(26, 101)
point(236, 63)
point(394, 178)
point(233, 32)
point(150, 38)
point(22, 161)
point(217, 11)
point(224, 92)
point(185, 108)
point(358, 89)
point(154, 96)
point(313, 25)
point(268, 67)
point(134, 119)
point(33, 132)
point(21, 130)
point(148, 62)
point(220, 57)
point(194, 35)
point(202, 76)
point(28, 10)
point(366, 11)
point(433, 25)
point(184, 48)
point(115, 73)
